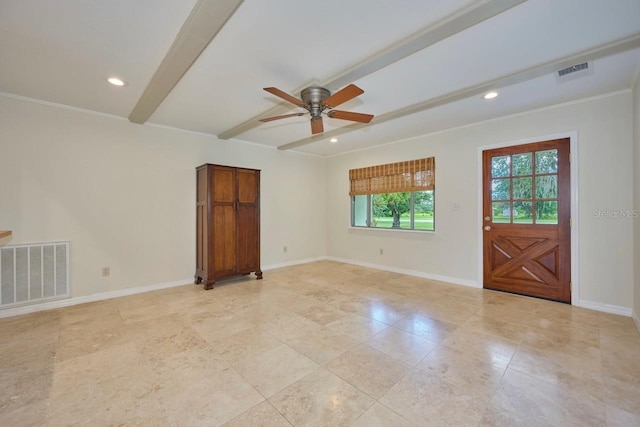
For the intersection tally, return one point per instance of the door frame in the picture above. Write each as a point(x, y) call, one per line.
point(573, 145)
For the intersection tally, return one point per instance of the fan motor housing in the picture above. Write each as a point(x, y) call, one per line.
point(313, 98)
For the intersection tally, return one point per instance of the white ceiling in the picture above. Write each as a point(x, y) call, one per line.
point(63, 51)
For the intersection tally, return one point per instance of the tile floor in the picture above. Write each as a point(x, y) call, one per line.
point(321, 344)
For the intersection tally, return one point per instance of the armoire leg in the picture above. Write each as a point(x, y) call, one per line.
point(259, 274)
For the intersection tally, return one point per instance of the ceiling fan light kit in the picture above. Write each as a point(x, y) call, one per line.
point(316, 100)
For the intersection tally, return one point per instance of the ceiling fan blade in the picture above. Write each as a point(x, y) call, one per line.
point(348, 115)
point(343, 96)
point(316, 125)
point(284, 95)
point(269, 119)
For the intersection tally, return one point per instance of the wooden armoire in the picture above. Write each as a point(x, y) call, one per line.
point(227, 223)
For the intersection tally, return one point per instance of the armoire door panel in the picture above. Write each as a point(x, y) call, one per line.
point(202, 186)
point(224, 223)
point(247, 188)
point(247, 229)
point(223, 185)
point(201, 247)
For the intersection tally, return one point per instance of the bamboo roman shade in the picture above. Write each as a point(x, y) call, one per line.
point(411, 175)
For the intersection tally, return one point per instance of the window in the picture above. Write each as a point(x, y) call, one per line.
point(524, 188)
point(396, 195)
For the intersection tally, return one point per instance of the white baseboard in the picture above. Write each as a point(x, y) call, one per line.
point(636, 320)
point(26, 309)
point(607, 308)
point(50, 305)
point(290, 263)
point(454, 280)
point(17, 311)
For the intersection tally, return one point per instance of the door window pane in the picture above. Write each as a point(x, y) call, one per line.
point(501, 212)
point(522, 164)
point(522, 188)
point(547, 161)
point(522, 212)
point(547, 212)
point(500, 166)
point(501, 189)
point(547, 187)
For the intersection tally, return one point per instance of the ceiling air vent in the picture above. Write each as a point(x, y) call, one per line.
point(574, 71)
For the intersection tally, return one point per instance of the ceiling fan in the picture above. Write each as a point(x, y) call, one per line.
point(318, 99)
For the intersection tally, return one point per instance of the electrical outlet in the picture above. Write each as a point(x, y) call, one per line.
point(381, 251)
point(106, 271)
point(284, 249)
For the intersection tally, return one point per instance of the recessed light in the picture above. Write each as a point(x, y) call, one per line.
point(116, 81)
point(490, 95)
point(333, 140)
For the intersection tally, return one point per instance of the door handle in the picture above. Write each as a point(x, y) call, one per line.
point(487, 218)
point(487, 228)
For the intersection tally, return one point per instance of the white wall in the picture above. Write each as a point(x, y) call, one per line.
point(124, 194)
point(605, 159)
point(636, 180)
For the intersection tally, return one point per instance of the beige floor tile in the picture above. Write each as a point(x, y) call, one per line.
point(219, 324)
point(523, 398)
point(325, 295)
point(275, 369)
point(369, 370)
point(211, 401)
point(323, 345)
point(617, 417)
point(622, 394)
point(447, 310)
point(427, 400)
point(489, 325)
point(354, 304)
point(245, 344)
point(513, 308)
point(319, 313)
point(158, 344)
point(77, 342)
point(560, 369)
point(555, 338)
point(31, 415)
point(289, 326)
point(358, 327)
point(381, 416)
point(146, 313)
point(40, 323)
point(25, 384)
point(91, 314)
point(28, 341)
point(177, 371)
point(488, 348)
point(389, 310)
point(262, 415)
point(321, 399)
point(426, 327)
point(401, 345)
point(102, 389)
point(467, 372)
